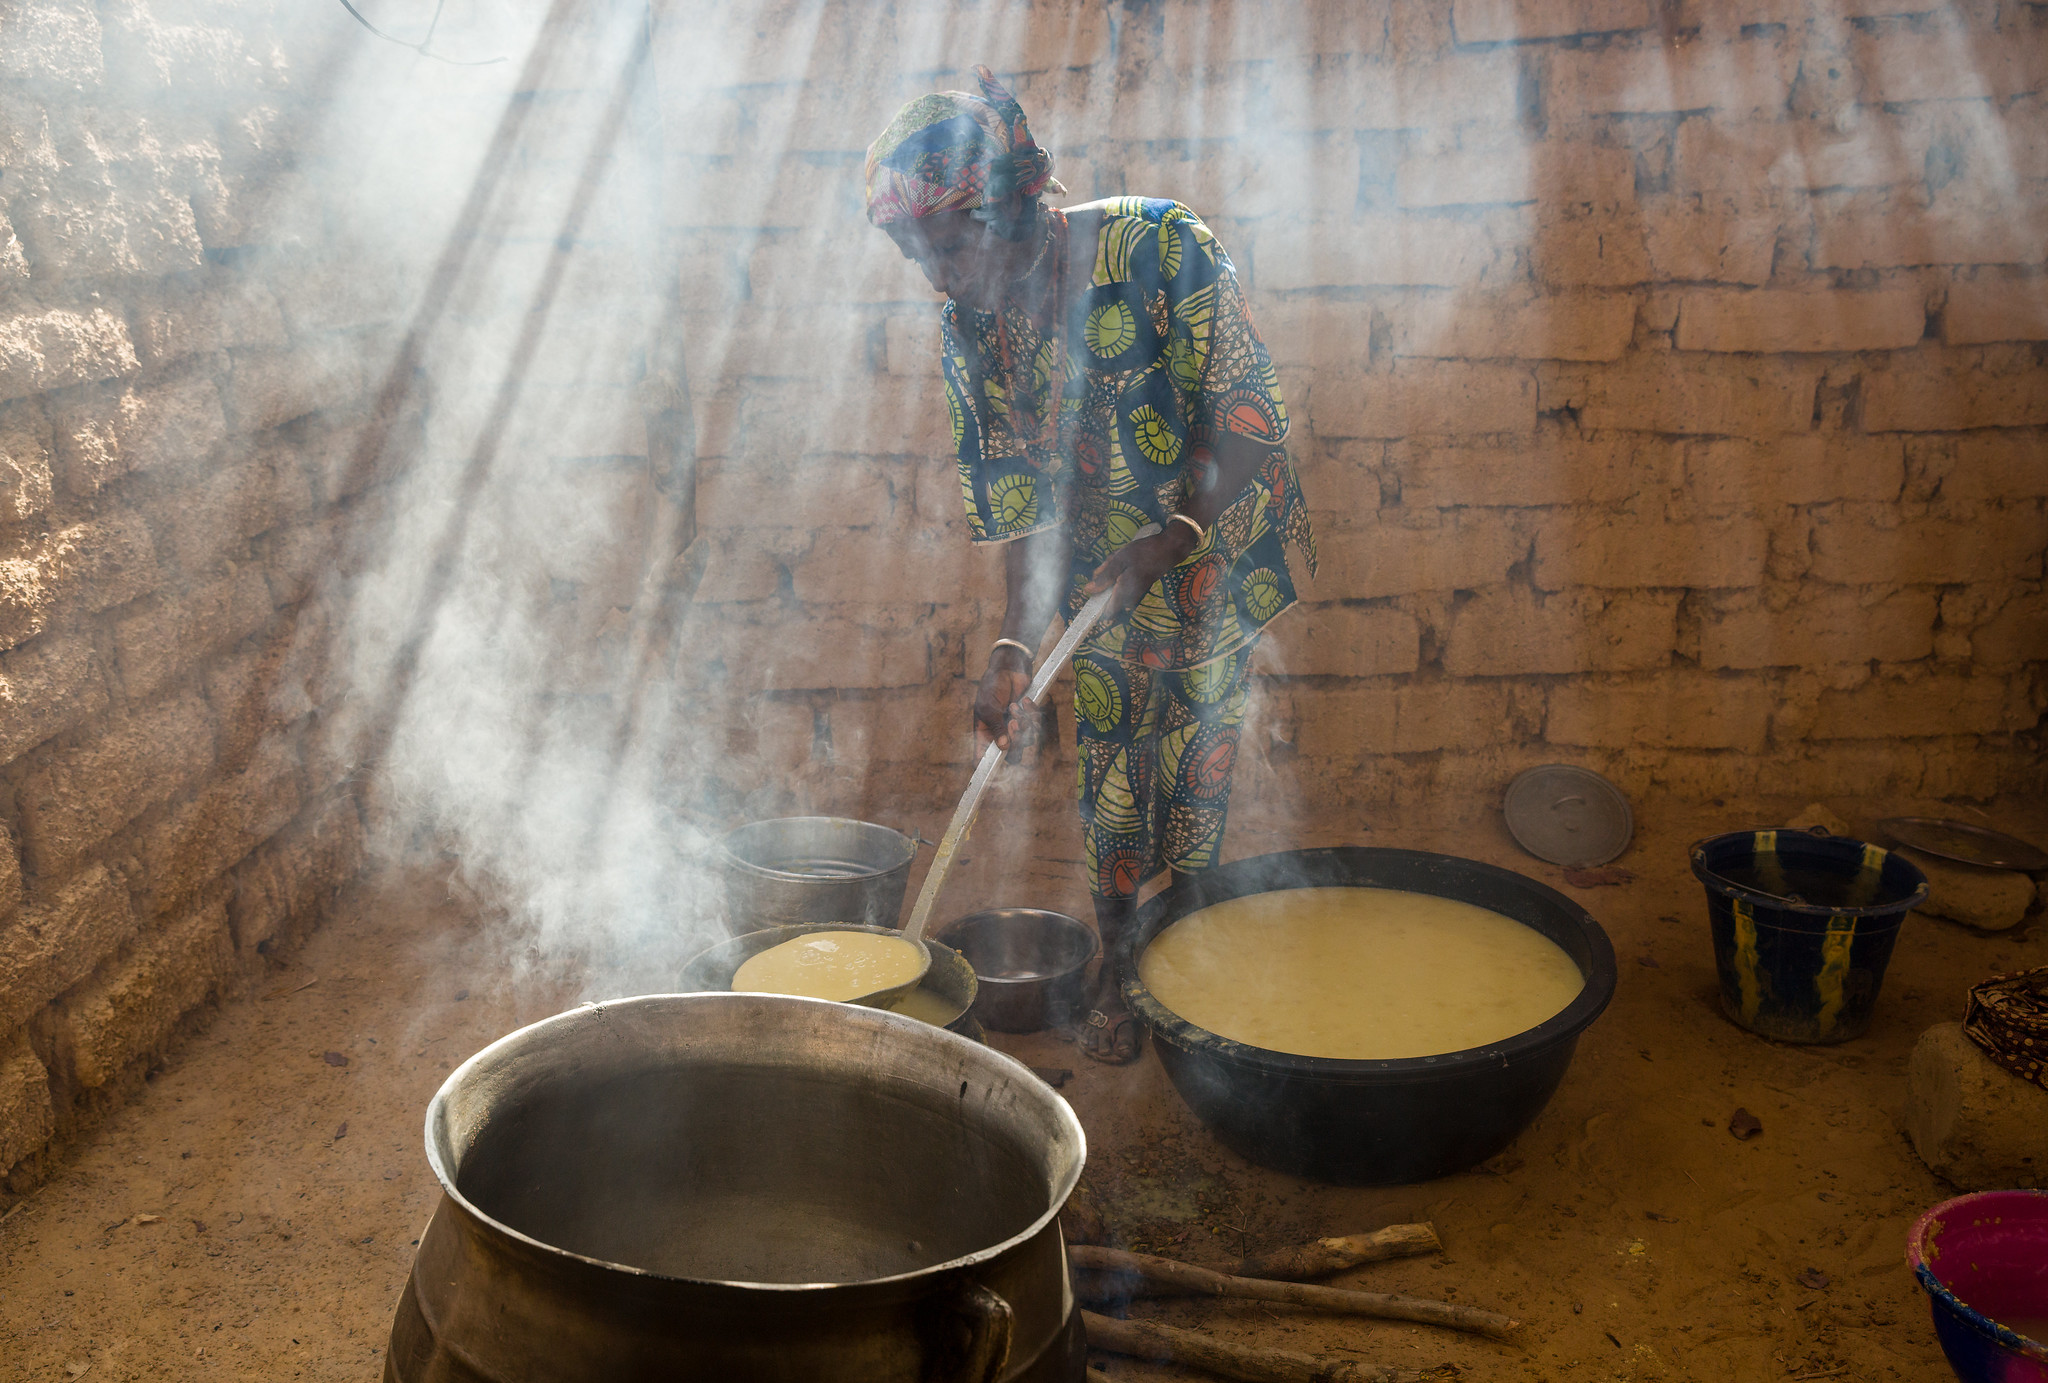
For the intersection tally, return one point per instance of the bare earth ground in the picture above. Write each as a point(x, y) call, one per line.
point(252, 1214)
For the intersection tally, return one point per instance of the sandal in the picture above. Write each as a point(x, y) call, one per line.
point(1116, 1053)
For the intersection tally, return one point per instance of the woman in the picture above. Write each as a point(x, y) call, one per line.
point(1117, 423)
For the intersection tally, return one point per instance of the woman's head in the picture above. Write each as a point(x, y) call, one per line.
point(964, 255)
point(955, 180)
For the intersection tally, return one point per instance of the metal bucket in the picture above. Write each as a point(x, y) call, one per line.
point(797, 870)
point(743, 1188)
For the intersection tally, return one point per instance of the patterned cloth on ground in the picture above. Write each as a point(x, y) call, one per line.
point(951, 151)
point(2008, 1017)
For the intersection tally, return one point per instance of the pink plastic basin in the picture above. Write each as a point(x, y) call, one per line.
point(1983, 1259)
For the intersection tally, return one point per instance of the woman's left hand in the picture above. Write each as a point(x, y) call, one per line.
point(1133, 567)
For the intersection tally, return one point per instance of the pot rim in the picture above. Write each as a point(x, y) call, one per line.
point(732, 859)
point(1601, 976)
point(1063, 1113)
point(1697, 854)
point(1943, 1298)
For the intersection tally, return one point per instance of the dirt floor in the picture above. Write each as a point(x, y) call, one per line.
point(252, 1214)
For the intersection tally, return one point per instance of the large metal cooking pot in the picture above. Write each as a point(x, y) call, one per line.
point(796, 870)
point(1371, 1122)
point(743, 1188)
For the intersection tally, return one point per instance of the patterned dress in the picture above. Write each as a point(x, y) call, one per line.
point(1108, 436)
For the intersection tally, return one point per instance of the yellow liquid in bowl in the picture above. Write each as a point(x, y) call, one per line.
point(927, 1007)
point(831, 965)
point(1358, 973)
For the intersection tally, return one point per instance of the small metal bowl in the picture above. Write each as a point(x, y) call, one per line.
point(1029, 965)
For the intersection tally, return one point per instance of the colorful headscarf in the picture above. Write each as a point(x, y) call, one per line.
point(950, 151)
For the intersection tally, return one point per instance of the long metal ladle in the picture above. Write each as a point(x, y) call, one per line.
point(970, 801)
point(963, 815)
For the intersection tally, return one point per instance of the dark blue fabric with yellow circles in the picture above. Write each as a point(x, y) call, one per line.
point(1158, 747)
point(1106, 426)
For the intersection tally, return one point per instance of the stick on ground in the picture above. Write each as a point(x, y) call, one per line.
point(1321, 1257)
point(1194, 1281)
point(1246, 1363)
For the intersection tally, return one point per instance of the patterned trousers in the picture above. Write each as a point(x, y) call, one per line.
point(1157, 750)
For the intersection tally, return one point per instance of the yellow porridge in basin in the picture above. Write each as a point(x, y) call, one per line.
point(1358, 973)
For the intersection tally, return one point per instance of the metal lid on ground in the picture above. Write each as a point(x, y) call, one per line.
point(1960, 840)
point(1568, 815)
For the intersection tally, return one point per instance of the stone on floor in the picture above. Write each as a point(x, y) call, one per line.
point(1993, 899)
point(1973, 1122)
point(1816, 814)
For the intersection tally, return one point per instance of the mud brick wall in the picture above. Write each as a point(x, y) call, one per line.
point(1668, 383)
point(182, 387)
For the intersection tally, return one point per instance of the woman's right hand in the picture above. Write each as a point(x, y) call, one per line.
point(1001, 714)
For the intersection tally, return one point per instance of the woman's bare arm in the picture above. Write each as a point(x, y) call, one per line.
point(1034, 579)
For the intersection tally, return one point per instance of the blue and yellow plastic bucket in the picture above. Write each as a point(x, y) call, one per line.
point(1804, 924)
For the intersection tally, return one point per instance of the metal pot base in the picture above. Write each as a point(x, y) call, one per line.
point(416, 1356)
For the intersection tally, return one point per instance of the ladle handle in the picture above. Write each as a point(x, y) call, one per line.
point(963, 815)
point(1083, 621)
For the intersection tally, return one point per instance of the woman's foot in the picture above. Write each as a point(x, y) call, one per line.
point(1108, 1032)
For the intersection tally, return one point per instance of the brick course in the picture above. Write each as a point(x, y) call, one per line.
point(1687, 712)
point(1511, 630)
point(1997, 393)
point(1464, 553)
point(294, 872)
point(1941, 704)
point(46, 687)
point(1676, 395)
point(129, 1012)
point(1558, 326)
point(57, 939)
point(26, 1120)
point(201, 839)
point(1648, 77)
point(1821, 627)
point(1996, 309)
point(77, 798)
point(1996, 543)
point(1774, 321)
point(1342, 641)
point(1428, 398)
point(1623, 552)
point(1512, 21)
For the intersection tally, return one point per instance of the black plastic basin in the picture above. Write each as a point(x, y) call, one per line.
point(1371, 1122)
